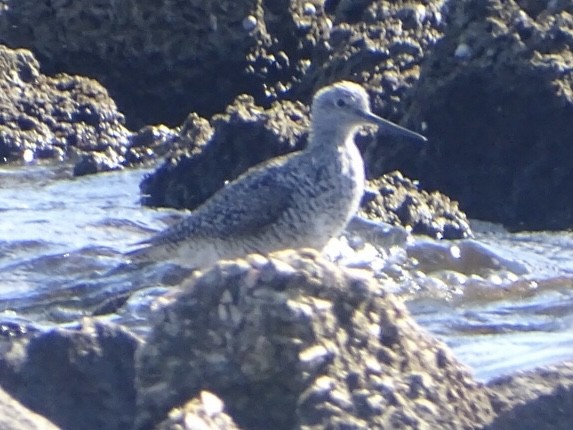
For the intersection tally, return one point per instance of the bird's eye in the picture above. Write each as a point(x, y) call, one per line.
point(340, 102)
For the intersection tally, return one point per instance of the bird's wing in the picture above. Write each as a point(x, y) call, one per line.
point(242, 208)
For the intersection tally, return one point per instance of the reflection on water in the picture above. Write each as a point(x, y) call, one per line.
point(502, 302)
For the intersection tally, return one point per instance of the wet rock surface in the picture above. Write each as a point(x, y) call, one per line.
point(399, 201)
point(292, 341)
point(78, 378)
point(163, 59)
point(289, 341)
point(71, 119)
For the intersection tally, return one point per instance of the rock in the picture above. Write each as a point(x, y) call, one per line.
point(52, 117)
point(73, 118)
point(78, 378)
point(205, 412)
point(14, 416)
point(541, 399)
point(175, 58)
point(152, 142)
point(243, 136)
point(399, 201)
point(464, 257)
point(95, 162)
point(499, 116)
point(161, 60)
point(292, 341)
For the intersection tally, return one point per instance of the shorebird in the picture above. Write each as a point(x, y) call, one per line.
point(299, 200)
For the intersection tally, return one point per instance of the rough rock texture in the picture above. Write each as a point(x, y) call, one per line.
point(174, 58)
point(381, 44)
point(399, 201)
point(162, 59)
point(243, 136)
point(496, 95)
point(541, 399)
point(143, 148)
point(205, 412)
point(292, 341)
point(53, 117)
point(78, 378)
point(167, 58)
point(68, 118)
point(14, 416)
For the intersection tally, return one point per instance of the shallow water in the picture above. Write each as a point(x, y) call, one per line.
point(502, 302)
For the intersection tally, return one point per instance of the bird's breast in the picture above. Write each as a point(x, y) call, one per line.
point(332, 192)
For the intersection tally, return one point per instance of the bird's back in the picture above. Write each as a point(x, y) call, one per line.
point(298, 200)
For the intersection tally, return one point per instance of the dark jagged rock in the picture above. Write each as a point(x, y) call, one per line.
point(541, 399)
point(468, 258)
point(78, 378)
point(175, 58)
point(14, 416)
point(292, 341)
point(150, 143)
point(399, 201)
point(497, 99)
point(381, 43)
point(162, 59)
point(68, 118)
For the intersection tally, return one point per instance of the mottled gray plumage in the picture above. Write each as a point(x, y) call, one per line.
point(299, 200)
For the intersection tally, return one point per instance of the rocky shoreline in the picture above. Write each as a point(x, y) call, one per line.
point(289, 340)
point(284, 341)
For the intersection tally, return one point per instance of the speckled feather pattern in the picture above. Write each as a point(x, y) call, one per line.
point(298, 200)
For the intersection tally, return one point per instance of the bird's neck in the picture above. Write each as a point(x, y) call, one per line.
point(331, 138)
point(333, 151)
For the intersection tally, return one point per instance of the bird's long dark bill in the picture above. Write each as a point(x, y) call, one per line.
point(386, 126)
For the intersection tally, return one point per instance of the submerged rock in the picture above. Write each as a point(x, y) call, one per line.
point(292, 341)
